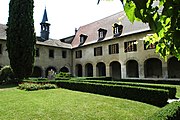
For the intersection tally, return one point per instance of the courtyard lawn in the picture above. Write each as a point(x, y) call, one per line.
point(62, 104)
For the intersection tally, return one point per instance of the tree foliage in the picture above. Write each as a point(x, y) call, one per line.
point(21, 37)
point(163, 17)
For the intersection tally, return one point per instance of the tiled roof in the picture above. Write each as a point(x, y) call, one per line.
point(68, 39)
point(91, 30)
point(2, 31)
point(54, 43)
point(50, 42)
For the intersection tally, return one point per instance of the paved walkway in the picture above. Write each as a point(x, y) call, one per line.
point(172, 100)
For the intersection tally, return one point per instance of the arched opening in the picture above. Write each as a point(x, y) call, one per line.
point(153, 68)
point(49, 69)
point(115, 70)
point(64, 69)
point(101, 69)
point(79, 70)
point(132, 68)
point(37, 72)
point(0, 67)
point(89, 70)
point(173, 68)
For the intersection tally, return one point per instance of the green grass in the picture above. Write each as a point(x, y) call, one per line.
point(62, 104)
point(178, 91)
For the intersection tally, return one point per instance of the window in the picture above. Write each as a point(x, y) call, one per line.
point(0, 48)
point(97, 51)
point(37, 52)
point(117, 29)
point(150, 46)
point(64, 54)
point(130, 46)
point(114, 48)
point(51, 53)
point(102, 33)
point(79, 54)
point(82, 39)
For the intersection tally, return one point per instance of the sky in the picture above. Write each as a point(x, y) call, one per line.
point(66, 15)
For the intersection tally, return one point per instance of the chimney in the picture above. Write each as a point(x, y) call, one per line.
point(76, 30)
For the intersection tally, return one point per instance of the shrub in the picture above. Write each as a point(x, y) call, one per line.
point(152, 96)
point(172, 90)
point(34, 86)
point(62, 76)
point(169, 112)
point(6, 75)
point(155, 81)
point(99, 78)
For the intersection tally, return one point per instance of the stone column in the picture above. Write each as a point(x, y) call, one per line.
point(83, 71)
point(123, 71)
point(94, 70)
point(107, 71)
point(164, 70)
point(141, 70)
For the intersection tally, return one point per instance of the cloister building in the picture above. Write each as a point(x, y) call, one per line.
point(112, 47)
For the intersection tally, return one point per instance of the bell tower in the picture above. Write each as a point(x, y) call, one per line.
point(45, 27)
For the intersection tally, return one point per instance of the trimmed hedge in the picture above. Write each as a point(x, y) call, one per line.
point(152, 96)
point(169, 112)
point(155, 81)
point(99, 78)
point(172, 90)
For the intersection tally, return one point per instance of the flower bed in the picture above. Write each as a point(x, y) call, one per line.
point(34, 86)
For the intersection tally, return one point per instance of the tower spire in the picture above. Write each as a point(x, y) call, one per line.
point(45, 18)
point(45, 27)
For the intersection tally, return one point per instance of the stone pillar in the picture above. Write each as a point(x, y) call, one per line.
point(107, 71)
point(164, 70)
point(83, 71)
point(94, 71)
point(123, 71)
point(141, 70)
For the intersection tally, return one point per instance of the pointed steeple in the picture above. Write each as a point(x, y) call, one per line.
point(45, 18)
point(45, 27)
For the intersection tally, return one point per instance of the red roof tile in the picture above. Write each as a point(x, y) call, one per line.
point(91, 30)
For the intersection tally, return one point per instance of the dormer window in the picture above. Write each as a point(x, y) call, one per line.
point(102, 33)
point(83, 38)
point(117, 29)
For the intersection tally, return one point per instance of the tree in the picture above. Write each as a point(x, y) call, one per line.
point(21, 37)
point(163, 17)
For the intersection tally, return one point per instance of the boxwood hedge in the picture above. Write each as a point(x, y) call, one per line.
point(152, 96)
point(172, 90)
point(169, 112)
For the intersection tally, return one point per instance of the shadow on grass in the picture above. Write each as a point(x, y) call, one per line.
point(8, 86)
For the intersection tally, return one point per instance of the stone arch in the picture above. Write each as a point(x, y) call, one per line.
point(50, 68)
point(131, 58)
point(153, 68)
point(78, 70)
point(64, 69)
point(115, 70)
point(132, 69)
point(1, 67)
point(173, 66)
point(89, 70)
point(37, 72)
point(100, 69)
